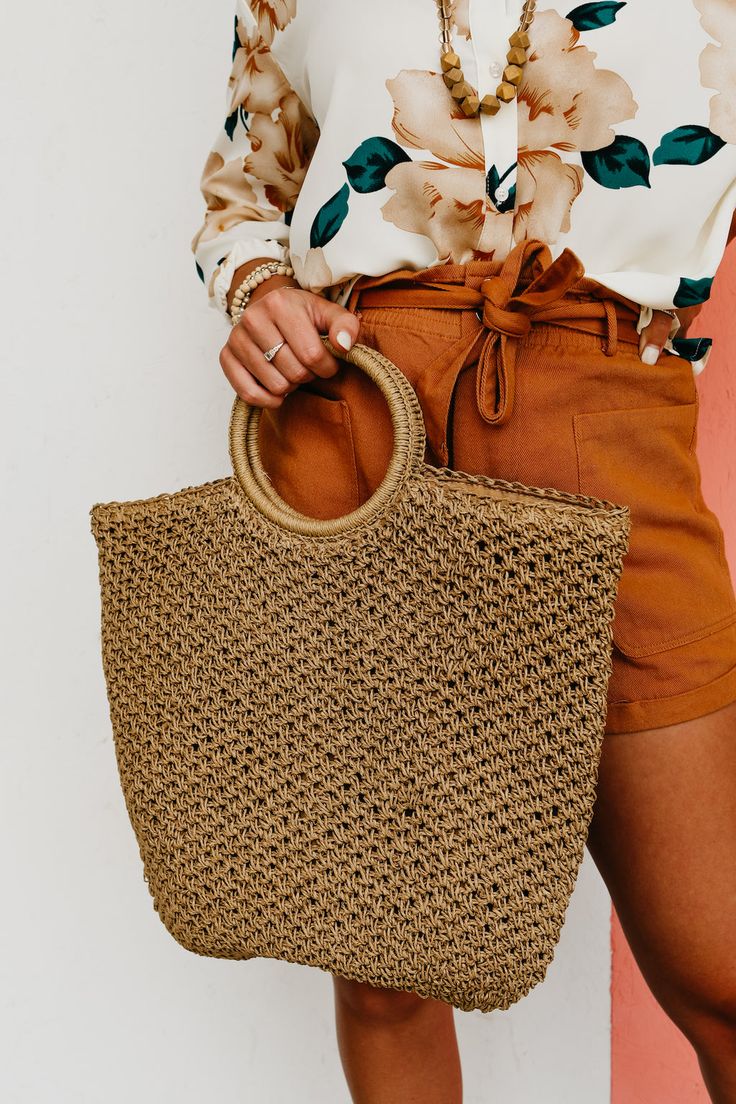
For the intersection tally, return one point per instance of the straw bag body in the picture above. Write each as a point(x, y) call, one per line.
point(367, 744)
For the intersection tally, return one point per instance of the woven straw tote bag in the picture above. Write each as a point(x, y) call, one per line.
point(367, 744)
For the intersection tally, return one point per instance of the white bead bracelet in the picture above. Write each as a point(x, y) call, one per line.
point(250, 283)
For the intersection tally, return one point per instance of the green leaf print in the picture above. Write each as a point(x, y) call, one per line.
point(230, 124)
point(236, 39)
point(507, 204)
point(691, 292)
point(687, 145)
point(622, 164)
point(200, 273)
point(329, 218)
point(232, 121)
point(368, 165)
point(589, 17)
point(493, 180)
point(692, 348)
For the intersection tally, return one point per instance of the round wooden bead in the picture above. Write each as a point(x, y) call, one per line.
point(461, 90)
point(452, 76)
point(516, 55)
point(506, 91)
point(489, 105)
point(470, 105)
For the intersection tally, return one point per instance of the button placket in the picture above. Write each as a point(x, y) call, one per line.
point(491, 24)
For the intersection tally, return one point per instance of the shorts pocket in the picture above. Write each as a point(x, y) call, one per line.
point(675, 586)
point(308, 451)
point(411, 338)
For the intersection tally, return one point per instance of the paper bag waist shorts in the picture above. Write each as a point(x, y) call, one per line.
point(527, 370)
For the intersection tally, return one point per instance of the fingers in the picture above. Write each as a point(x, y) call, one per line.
point(653, 336)
point(258, 333)
point(687, 316)
point(244, 383)
point(341, 325)
point(298, 318)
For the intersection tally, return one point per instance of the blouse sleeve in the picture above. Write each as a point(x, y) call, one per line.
point(255, 168)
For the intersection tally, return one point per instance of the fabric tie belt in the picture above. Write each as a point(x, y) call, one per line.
point(505, 305)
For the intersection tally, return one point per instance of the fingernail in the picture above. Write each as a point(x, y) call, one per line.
point(650, 354)
point(344, 339)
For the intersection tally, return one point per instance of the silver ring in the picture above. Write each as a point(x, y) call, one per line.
point(271, 353)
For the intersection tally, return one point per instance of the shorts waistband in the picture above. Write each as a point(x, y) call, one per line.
point(512, 295)
point(508, 298)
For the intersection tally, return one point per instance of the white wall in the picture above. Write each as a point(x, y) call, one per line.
point(112, 389)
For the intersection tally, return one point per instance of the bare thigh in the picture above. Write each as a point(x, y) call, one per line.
point(663, 836)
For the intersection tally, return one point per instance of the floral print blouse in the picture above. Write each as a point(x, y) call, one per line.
point(342, 150)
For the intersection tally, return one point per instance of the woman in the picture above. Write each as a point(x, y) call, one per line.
point(412, 191)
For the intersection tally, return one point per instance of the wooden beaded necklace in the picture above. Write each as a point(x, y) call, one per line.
point(460, 89)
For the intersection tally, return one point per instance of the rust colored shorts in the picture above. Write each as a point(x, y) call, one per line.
point(527, 370)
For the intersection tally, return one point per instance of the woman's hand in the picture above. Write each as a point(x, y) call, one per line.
point(655, 334)
point(297, 317)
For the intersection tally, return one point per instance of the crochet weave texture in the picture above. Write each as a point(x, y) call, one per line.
point(374, 753)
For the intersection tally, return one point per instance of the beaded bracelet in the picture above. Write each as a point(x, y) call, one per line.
point(250, 283)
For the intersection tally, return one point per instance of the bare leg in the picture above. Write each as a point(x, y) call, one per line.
point(663, 836)
point(396, 1047)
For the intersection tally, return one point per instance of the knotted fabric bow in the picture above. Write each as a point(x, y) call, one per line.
point(505, 311)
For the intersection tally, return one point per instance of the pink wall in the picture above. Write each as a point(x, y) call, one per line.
point(717, 388)
point(651, 1061)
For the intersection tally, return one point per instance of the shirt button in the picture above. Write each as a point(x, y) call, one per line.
point(502, 193)
point(495, 69)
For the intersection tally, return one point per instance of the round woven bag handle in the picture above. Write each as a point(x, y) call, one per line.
point(407, 456)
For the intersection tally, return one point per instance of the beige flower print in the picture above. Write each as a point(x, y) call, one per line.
point(313, 271)
point(564, 103)
point(718, 64)
point(272, 16)
point(281, 139)
point(256, 82)
point(281, 149)
point(229, 196)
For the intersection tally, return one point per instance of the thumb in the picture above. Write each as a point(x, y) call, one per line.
point(653, 336)
point(341, 325)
